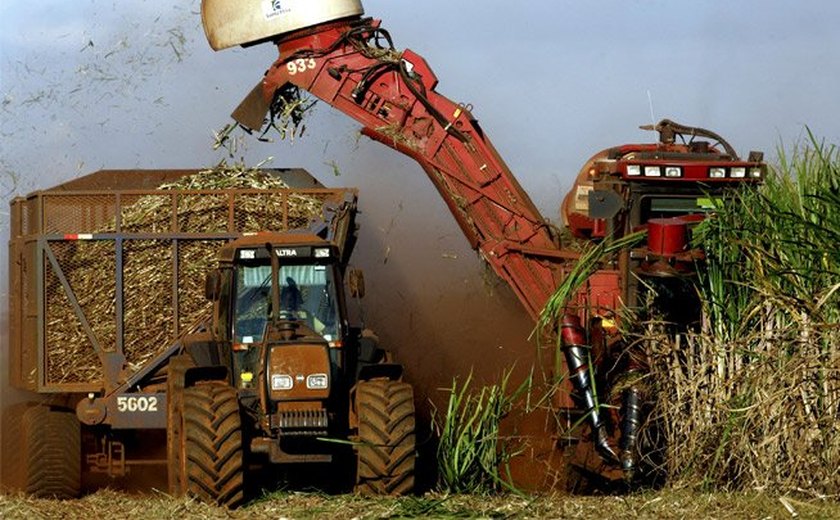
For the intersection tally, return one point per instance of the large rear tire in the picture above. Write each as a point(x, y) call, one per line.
point(52, 452)
point(211, 457)
point(387, 447)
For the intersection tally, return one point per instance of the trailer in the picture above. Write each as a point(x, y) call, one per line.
point(107, 279)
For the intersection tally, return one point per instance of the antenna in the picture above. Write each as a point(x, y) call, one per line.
point(650, 105)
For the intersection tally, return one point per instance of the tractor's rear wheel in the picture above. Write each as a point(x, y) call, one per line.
point(386, 451)
point(52, 453)
point(211, 456)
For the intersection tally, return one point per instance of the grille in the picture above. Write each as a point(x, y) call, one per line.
point(302, 422)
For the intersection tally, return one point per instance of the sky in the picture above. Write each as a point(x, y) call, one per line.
point(93, 84)
point(103, 84)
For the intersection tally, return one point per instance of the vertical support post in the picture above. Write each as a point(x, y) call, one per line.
point(118, 295)
point(118, 213)
point(231, 228)
point(41, 261)
point(176, 304)
point(175, 274)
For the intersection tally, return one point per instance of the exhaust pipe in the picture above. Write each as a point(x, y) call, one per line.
point(577, 358)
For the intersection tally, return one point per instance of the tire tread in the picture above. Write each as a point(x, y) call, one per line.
point(386, 454)
point(213, 451)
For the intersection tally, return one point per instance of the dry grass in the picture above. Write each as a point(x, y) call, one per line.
point(660, 505)
point(750, 413)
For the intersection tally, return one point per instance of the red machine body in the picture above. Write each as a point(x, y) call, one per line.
point(666, 187)
point(392, 94)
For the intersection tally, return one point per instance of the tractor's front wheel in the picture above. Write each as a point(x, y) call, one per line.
point(387, 447)
point(211, 454)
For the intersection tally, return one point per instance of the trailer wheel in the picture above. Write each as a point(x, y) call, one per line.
point(386, 452)
point(53, 453)
point(211, 456)
point(13, 466)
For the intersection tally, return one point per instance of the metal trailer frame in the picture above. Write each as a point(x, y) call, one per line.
point(60, 215)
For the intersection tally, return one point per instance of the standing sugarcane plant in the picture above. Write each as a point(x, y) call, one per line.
point(753, 398)
point(472, 454)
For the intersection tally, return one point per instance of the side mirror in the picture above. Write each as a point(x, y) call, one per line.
point(356, 283)
point(212, 285)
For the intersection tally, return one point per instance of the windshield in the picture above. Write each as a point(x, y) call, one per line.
point(675, 206)
point(307, 293)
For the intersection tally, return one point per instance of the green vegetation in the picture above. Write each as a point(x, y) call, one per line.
point(471, 454)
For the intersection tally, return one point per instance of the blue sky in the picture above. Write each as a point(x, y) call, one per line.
point(97, 83)
point(92, 84)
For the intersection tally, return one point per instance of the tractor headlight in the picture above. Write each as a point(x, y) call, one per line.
point(317, 381)
point(738, 173)
point(653, 171)
point(673, 171)
point(322, 252)
point(717, 173)
point(282, 382)
point(755, 173)
point(634, 170)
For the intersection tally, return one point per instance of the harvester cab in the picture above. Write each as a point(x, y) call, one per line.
point(665, 188)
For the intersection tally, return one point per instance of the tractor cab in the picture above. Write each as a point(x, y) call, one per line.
point(279, 310)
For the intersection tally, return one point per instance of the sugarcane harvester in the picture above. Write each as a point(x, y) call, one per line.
point(329, 49)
